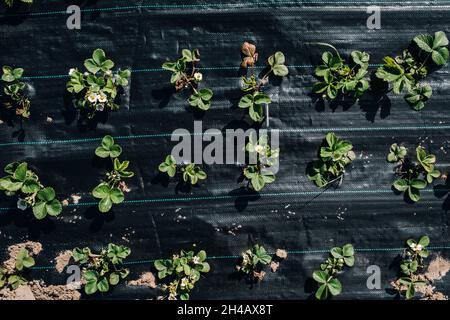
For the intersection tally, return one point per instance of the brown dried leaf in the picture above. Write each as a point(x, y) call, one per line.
point(247, 62)
point(250, 55)
point(274, 266)
point(259, 275)
point(248, 49)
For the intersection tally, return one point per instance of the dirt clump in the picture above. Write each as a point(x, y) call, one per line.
point(23, 292)
point(37, 290)
point(62, 260)
point(34, 249)
point(53, 292)
point(282, 254)
point(146, 279)
point(437, 269)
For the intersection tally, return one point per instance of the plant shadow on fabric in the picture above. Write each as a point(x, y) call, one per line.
point(9, 117)
point(35, 228)
point(394, 266)
point(163, 95)
point(376, 100)
point(243, 195)
point(188, 175)
point(163, 180)
point(98, 219)
point(320, 103)
point(15, 14)
point(83, 122)
point(441, 191)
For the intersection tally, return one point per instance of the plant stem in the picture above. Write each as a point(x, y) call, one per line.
point(189, 82)
point(263, 80)
point(425, 61)
point(328, 45)
point(334, 180)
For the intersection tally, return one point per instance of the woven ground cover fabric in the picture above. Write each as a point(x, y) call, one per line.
point(291, 213)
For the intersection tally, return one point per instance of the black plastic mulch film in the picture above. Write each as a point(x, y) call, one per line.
point(141, 35)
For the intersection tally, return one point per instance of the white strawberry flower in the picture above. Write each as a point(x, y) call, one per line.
point(198, 76)
point(184, 282)
point(92, 97)
point(259, 148)
point(172, 296)
point(196, 260)
point(102, 98)
point(71, 71)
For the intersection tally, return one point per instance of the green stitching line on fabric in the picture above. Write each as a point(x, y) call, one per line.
point(216, 5)
point(163, 135)
point(59, 76)
point(228, 197)
point(318, 251)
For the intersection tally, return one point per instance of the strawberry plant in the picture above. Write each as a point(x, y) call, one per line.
point(14, 278)
point(405, 71)
point(190, 172)
point(412, 264)
point(260, 173)
point(183, 271)
point(326, 277)
point(253, 261)
point(412, 176)
point(186, 75)
point(254, 98)
point(111, 190)
point(97, 89)
point(16, 100)
point(24, 183)
point(341, 78)
point(335, 154)
point(101, 270)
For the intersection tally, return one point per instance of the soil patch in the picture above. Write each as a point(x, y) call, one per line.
point(146, 279)
point(33, 247)
point(62, 260)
